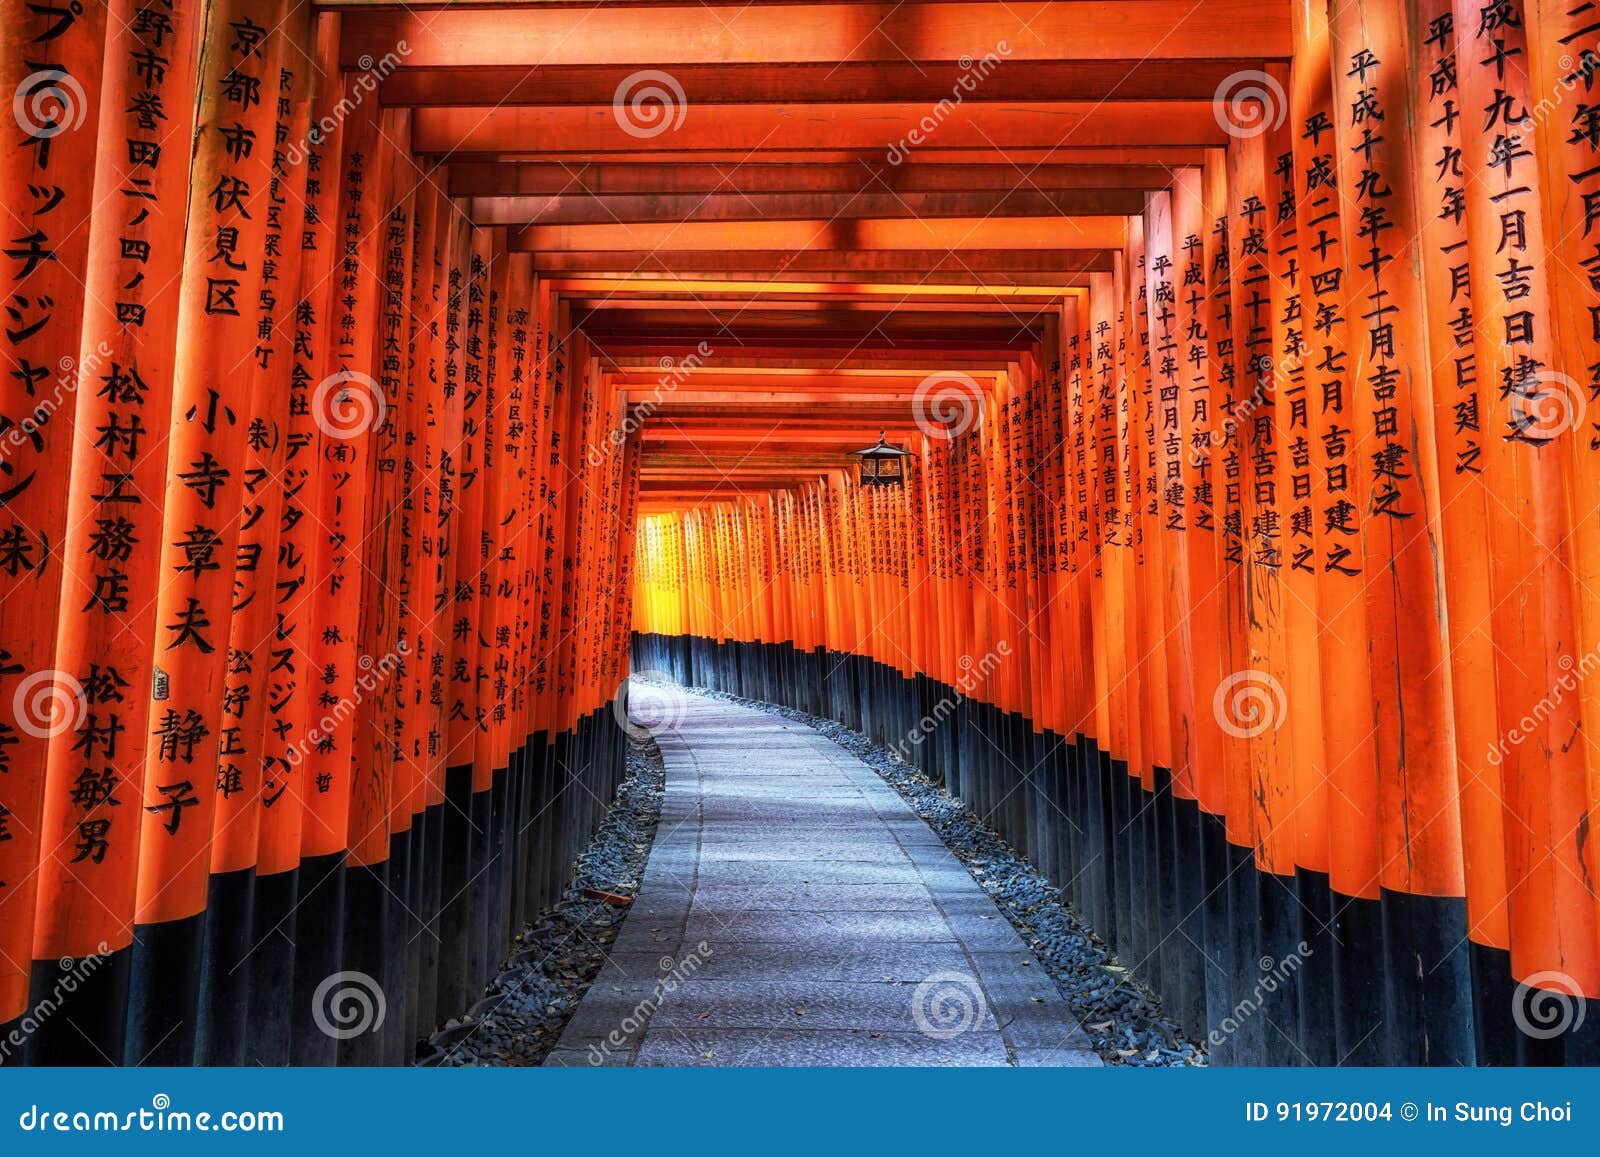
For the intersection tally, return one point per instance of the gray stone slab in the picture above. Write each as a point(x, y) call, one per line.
point(811, 1049)
point(983, 933)
point(894, 1006)
point(661, 912)
point(839, 836)
point(639, 968)
point(865, 927)
point(765, 818)
point(1040, 1026)
point(931, 856)
point(1067, 1058)
point(813, 897)
point(648, 936)
point(579, 1056)
point(755, 874)
point(1013, 975)
point(912, 831)
point(610, 1010)
point(804, 853)
point(836, 960)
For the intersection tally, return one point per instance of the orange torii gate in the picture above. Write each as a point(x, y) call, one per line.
point(87, 879)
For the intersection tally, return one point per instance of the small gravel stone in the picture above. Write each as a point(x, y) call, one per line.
point(558, 955)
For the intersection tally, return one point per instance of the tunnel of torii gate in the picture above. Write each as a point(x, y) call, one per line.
point(385, 382)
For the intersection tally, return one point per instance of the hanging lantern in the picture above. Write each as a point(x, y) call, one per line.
point(883, 464)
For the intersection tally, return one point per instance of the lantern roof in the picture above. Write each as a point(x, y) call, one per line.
point(882, 450)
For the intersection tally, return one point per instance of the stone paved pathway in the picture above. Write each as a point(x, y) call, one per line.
point(794, 911)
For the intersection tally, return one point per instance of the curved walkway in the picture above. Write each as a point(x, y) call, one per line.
point(795, 911)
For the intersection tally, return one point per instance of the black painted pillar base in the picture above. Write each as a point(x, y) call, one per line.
point(1188, 1006)
point(164, 992)
point(1429, 988)
point(517, 840)
point(538, 823)
point(431, 824)
point(498, 872)
point(87, 1025)
point(1069, 780)
point(1161, 971)
point(1278, 968)
point(1318, 1036)
point(399, 1039)
point(224, 971)
point(318, 955)
point(1215, 863)
point(548, 798)
point(1581, 1041)
point(1494, 1000)
point(1108, 879)
point(1549, 1026)
point(416, 926)
point(455, 866)
point(481, 809)
point(11, 1033)
point(1121, 833)
point(274, 919)
point(1244, 915)
point(350, 1007)
point(1360, 1020)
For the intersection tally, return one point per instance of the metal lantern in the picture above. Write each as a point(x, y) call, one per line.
point(883, 464)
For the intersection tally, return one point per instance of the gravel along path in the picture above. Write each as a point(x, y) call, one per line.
point(558, 957)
